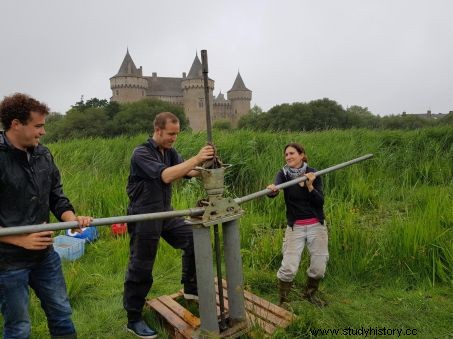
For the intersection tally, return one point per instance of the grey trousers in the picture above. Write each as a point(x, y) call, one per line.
point(315, 236)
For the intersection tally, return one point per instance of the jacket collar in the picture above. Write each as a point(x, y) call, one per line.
point(6, 145)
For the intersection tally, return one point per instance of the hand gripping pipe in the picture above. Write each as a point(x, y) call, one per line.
point(164, 215)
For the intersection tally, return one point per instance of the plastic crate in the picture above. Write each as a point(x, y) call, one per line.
point(69, 248)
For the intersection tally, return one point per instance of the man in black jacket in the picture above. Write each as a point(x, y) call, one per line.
point(30, 187)
point(154, 166)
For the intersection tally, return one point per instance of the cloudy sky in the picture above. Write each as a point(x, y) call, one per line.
point(388, 55)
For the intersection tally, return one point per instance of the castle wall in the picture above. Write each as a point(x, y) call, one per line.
point(240, 104)
point(194, 102)
point(222, 111)
point(177, 100)
point(127, 88)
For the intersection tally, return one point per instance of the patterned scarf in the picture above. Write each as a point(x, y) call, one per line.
point(294, 173)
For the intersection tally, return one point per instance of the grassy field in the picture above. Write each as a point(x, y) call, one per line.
point(390, 225)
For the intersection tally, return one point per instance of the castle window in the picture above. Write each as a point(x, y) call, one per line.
point(200, 102)
point(117, 92)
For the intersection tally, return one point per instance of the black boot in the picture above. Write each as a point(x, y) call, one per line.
point(284, 288)
point(311, 292)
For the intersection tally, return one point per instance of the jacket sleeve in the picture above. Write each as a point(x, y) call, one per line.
point(317, 196)
point(279, 179)
point(58, 202)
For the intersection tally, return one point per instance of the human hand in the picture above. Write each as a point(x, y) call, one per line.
point(272, 187)
point(274, 190)
point(83, 221)
point(34, 241)
point(310, 179)
point(206, 153)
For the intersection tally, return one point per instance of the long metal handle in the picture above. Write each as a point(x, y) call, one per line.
point(204, 65)
point(303, 178)
point(164, 215)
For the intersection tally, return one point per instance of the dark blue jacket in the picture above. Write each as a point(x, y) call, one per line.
point(145, 188)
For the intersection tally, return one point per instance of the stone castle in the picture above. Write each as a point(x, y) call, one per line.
point(129, 85)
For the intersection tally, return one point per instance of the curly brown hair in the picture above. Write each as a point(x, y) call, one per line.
point(18, 106)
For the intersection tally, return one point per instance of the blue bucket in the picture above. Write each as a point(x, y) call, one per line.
point(89, 234)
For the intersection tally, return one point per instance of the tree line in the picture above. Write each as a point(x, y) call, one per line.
point(101, 118)
point(328, 114)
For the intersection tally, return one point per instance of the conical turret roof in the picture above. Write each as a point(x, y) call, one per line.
point(196, 69)
point(128, 67)
point(239, 84)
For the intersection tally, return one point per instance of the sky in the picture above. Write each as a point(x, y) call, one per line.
point(387, 55)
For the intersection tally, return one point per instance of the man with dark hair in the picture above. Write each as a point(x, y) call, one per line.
point(30, 187)
point(154, 166)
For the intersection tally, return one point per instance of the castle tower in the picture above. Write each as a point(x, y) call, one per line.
point(240, 97)
point(128, 84)
point(194, 98)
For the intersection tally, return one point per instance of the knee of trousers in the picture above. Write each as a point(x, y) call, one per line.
point(318, 264)
point(20, 329)
point(287, 273)
point(137, 272)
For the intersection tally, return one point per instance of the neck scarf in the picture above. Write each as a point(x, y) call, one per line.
point(294, 173)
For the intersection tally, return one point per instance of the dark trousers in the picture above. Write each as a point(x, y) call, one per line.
point(144, 241)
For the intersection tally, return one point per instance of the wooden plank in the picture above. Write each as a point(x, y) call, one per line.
point(265, 326)
point(261, 309)
point(277, 310)
point(183, 313)
point(183, 324)
point(174, 320)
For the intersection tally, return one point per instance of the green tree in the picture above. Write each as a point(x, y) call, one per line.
point(137, 117)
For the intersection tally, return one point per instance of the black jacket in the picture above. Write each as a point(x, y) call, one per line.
point(145, 188)
point(300, 203)
point(29, 190)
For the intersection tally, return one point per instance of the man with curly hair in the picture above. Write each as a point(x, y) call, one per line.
point(30, 188)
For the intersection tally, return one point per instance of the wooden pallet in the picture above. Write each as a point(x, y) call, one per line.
point(181, 323)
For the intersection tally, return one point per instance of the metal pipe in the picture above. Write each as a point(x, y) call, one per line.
point(205, 282)
point(101, 221)
point(218, 262)
point(204, 65)
point(164, 215)
point(233, 268)
point(303, 178)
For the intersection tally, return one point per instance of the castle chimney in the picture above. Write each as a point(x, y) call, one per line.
point(183, 75)
point(428, 113)
point(154, 75)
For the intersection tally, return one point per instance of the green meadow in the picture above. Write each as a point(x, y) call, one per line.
point(390, 222)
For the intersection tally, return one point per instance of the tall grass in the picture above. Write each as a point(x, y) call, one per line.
point(390, 217)
point(390, 221)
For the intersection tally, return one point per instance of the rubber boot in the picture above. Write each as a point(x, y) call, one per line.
point(311, 292)
point(284, 288)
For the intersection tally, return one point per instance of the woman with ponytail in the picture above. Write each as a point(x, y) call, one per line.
point(306, 226)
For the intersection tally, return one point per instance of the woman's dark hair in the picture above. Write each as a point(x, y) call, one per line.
point(19, 106)
point(298, 147)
